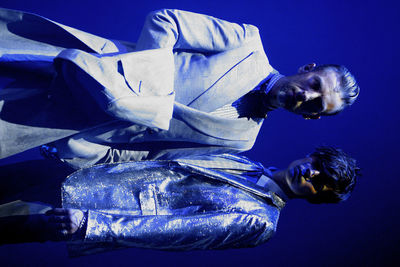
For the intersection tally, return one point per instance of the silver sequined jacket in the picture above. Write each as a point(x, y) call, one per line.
point(172, 205)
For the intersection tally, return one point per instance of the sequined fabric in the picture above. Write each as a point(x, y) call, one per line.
point(167, 205)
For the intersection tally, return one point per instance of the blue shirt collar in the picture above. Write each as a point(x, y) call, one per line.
point(272, 78)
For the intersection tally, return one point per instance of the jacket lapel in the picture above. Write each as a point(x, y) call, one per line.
point(238, 80)
point(237, 182)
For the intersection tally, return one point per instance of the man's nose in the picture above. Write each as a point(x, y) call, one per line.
point(309, 172)
point(305, 95)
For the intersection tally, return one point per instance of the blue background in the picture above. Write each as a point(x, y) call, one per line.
point(362, 35)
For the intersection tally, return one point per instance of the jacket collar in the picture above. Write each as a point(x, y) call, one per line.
point(237, 181)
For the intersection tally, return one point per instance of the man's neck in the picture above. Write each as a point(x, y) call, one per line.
point(279, 177)
point(272, 88)
point(267, 182)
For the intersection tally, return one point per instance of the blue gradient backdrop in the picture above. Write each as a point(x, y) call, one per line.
point(364, 36)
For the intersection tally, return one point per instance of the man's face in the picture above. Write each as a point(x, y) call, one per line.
point(311, 93)
point(302, 178)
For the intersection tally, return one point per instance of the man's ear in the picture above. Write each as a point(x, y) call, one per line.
point(307, 68)
point(311, 117)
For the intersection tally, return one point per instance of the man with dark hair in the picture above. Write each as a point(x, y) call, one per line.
point(207, 202)
point(336, 172)
point(192, 84)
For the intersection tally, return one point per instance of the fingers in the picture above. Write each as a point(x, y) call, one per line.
point(58, 211)
point(55, 225)
point(64, 222)
point(59, 219)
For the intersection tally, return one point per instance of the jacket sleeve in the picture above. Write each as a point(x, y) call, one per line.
point(79, 153)
point(220, 230)
point(144, 100)
point(190, 31)
point(82, 153)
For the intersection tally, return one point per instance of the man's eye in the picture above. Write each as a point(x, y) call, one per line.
point(316, 84)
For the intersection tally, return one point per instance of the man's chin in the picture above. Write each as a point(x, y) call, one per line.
point(291, 175)
point(291, 107)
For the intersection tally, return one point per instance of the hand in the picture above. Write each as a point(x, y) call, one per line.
point(63, 223)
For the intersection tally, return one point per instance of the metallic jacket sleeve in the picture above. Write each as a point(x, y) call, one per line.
point(206, 231)
point(190, 31)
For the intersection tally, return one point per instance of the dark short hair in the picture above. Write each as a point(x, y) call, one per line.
point(348, 84)
point(337, 170)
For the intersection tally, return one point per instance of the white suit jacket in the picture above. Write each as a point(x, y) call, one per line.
point(158, 94)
